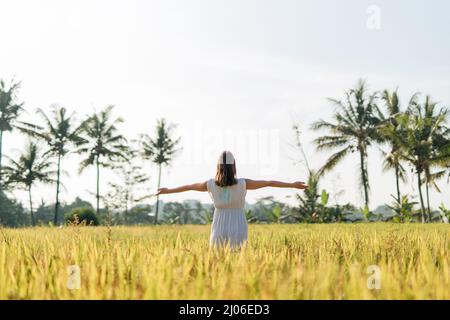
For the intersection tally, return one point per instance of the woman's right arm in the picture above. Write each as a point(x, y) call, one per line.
point(202, 187)
point(258, 184)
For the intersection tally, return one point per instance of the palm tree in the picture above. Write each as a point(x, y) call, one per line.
point(389, 128)
point(424, 143)
point(101, 142)
point(441, 145)
point(160, 150)
point(32, 167)
point(309, 199)
point(59, 133)
point(10, 109)
point(427, 112)
point(355, 128)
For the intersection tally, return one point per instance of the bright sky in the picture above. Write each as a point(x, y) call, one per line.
point(232, 74)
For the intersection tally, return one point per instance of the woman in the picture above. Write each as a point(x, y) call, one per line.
point(229, 226)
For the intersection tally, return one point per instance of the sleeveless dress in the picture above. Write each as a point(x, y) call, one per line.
point(229, 226)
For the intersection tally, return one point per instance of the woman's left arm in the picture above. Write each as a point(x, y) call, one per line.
point(190, 187)
point(258, 184)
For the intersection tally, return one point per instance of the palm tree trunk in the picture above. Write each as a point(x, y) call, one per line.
point(397, 180)
point(126, 208)
point(58, 175)
point(98, 185)
point(31, 206)
point(364, 178)
point(428, 201)
point(157, 197)
point(422, 206)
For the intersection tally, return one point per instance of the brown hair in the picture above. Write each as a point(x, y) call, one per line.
point(226, 173)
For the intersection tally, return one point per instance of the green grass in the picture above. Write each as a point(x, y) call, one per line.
point(280, 262)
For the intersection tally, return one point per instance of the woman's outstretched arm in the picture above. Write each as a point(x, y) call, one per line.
point(258, 184)
point(190, 187)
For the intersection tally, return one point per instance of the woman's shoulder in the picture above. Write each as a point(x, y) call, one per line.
point(209, 183)
point(242, 181)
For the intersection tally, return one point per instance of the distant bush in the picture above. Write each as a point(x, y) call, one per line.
point(86, 216)
point(12, 213)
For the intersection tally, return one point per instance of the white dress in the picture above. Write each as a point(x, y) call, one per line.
point(229, 226)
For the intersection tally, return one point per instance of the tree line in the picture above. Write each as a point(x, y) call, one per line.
point(416, 135)
point(96, 138)
point(414, 139)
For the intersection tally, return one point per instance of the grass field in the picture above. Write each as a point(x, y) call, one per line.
point(280, 262)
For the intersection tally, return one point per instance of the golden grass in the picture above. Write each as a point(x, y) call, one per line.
point(280, 262)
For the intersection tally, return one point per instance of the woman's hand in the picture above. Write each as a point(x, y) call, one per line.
point(162, 191)
point(300, 185)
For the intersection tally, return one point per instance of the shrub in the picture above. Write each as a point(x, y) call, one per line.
point(85, 216)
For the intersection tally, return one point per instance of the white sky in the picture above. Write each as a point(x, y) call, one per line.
point(231, 74)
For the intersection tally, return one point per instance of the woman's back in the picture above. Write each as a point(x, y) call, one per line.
point(229, 224)
point(230, 197)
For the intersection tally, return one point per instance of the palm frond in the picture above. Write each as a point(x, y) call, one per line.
point(333, 161)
